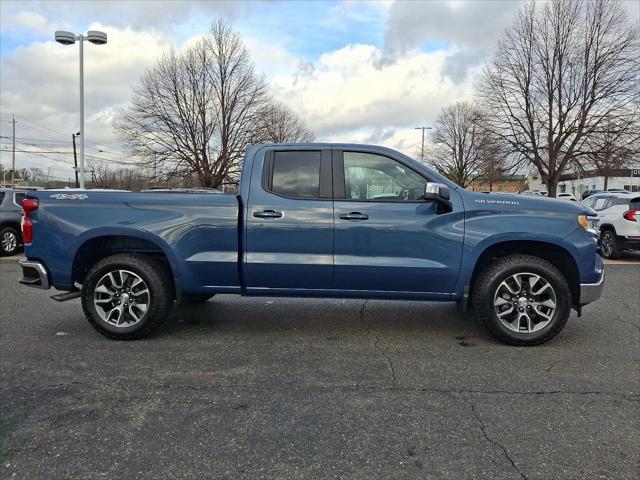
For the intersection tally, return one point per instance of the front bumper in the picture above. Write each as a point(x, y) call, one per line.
point(34, 274)
point(590, 292)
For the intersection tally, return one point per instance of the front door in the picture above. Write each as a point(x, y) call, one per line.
point(289, 237)
point(387, 237)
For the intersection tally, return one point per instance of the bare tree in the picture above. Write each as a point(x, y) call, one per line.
point(461, 144)
point(493, 161)
point(279, 124)
point(611, 147)
point(195, 111)
point(561, 70)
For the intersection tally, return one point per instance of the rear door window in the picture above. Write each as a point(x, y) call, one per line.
point(619, 201)
point(1, 197)
point(296, 174)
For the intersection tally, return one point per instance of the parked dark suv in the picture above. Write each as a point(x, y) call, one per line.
point(10, 218)
point(587, 193)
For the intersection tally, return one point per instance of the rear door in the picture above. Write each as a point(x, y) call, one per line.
point(387, 237)
point(289, 236)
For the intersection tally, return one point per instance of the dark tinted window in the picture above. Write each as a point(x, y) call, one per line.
point(18, 197)
point(635, 203)
point(1, 197)
point(296, 174)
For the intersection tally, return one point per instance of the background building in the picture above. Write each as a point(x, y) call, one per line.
point(503, 183)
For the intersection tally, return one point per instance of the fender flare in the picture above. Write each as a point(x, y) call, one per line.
point(470, 258)
point(83, 238)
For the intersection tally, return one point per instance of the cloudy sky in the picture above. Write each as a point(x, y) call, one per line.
point(363, 71)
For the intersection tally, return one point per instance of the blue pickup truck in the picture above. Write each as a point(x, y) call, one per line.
point(317, 220)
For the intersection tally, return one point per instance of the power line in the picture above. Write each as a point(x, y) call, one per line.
point(44, 130)
point(57, 152)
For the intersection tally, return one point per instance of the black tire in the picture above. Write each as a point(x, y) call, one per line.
point(609, 245)
point(9, 241)
point(186, 299)
point(160, 294)
point(486, 287)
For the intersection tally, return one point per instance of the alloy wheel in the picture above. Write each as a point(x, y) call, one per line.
point(121, 298)
point(9, 241)
point(525, 302)
point(606, 244)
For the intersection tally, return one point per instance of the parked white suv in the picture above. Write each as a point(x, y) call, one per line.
point(566, 196)
point(618, 221)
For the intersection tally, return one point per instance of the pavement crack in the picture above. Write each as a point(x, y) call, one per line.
point(622, 320)
point(376, 344)
point(492, 441)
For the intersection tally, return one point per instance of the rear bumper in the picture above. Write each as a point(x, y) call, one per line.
point(590, 292)
point(34, 274)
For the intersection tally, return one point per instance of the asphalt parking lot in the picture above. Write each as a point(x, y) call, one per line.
point(284, 388)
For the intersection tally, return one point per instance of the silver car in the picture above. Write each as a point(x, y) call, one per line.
point(10, 219)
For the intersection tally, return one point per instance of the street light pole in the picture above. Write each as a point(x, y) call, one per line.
point(422, 149)
point(69, 38)
point(81, 42)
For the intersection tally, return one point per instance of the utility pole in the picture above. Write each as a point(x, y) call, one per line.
point(422, 149)
point(13, 155)
point(75, 157)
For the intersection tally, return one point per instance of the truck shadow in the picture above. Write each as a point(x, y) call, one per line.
point(229, 316)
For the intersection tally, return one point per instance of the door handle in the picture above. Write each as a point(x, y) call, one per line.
point(354, 216)
point(267, 214)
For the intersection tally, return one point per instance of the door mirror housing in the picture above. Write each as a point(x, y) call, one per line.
point(440, 194)
point(436, 191)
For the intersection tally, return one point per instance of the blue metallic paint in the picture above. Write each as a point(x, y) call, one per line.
point(182, 226)
point(214, 244)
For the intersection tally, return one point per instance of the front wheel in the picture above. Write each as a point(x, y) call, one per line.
point(522, 300)
point(127, 296)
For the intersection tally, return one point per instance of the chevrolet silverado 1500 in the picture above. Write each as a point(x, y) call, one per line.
point(317, 220)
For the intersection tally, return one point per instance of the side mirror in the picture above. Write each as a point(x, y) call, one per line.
point(438, 193)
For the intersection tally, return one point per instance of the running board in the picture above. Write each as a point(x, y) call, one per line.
point(63, 297)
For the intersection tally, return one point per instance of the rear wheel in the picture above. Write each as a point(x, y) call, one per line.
point(127, 296)
point(9, 241)
point(522, 300)
point(609, 245)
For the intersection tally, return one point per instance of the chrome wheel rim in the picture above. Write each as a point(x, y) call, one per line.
point(9, 241)
point(121, 298)
point(525, 302)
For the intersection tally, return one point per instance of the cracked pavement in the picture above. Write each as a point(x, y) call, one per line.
point(299, 388)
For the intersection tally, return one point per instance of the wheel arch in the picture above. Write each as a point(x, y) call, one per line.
point(97, 245)
point(13, 224)
point(557, 255)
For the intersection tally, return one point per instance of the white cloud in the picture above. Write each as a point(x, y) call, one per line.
point(29, 21)
point(40, 85)
point(348, 95)
point(471, 27)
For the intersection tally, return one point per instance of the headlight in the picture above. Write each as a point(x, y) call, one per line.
point(589, 223)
